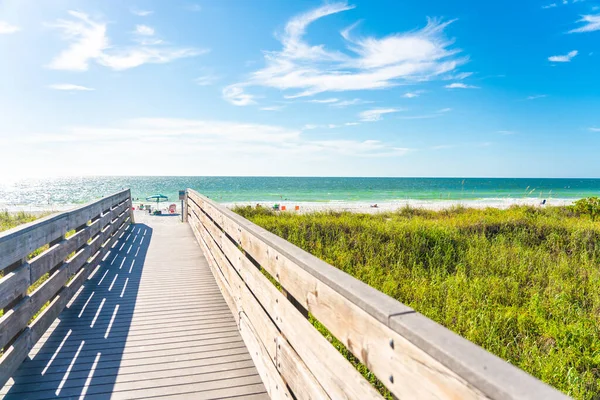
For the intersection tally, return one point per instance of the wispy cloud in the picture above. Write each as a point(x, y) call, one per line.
point(507, 132)
point(335, 102)
point(592, 23)
point(353, 102)
point(272, 108)
point(444, 146)
point(69, 87)
point(324, 101)
point(565, 58)
point(141, 13)
point(144, 30)
point(445, 110)
point(551, 5)
point(595, 129)
point(536, 96)
point(458, 85)
point(413, 94)
point(7, 29)
point(206, 80)
point(375, 114)
point(236, 96)
point(370, 62)
point(223, 137)
point(88, 42)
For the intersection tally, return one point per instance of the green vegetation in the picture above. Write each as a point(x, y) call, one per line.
point(10, 220)
point(522, 283)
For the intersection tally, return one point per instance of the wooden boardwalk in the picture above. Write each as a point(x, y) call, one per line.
point(150, 322)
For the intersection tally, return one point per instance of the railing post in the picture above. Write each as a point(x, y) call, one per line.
point(185, 207)
point(131, 212)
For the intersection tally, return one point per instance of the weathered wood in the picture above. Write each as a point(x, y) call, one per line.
point(14, 284)
point(17, 243)
point(370, 323)
point(194, 349)
point(14, 356)
point(244, 299)
point(276, 387)
point(298, 377)
point(335, 374)
point(103, 231)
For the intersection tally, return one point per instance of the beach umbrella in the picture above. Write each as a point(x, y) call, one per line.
point(158, 198)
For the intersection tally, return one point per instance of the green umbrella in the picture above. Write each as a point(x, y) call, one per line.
point(158, 198)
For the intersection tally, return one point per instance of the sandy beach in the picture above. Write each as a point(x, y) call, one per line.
point(335, 206)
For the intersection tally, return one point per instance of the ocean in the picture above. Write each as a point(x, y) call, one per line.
point(63, 192)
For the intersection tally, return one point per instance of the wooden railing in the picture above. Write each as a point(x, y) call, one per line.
point(414, 357)
point(72, 244)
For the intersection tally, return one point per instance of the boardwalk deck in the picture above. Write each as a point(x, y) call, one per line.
point(150, 322)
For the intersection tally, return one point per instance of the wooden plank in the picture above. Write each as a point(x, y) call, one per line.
point(298, 377)
point(366, 321)
point(244, 299)
point(202, 356)
point(403, 368)
point(59, 252)
point(18, 242)
point(13, 357)
point(16, 319)
point(14, 284)
point(276, 387)
point(335, 374)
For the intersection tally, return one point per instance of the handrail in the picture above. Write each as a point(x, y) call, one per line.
point(411, 355)
point(68, 261)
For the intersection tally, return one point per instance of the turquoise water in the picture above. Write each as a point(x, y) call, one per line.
point(62, 191)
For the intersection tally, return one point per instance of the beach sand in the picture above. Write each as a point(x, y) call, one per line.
point(390, 206)
point(335, 206)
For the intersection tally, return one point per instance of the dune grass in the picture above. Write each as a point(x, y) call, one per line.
point(10, 220)
point(523, 283)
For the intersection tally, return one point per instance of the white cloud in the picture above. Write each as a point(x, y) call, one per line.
point(458, 85)
point(323, 101)
point(445, 110)
point(551, 5)
point(141, 13)
point(69, 87)
point(134, 57)
point(144, 30)
point(88, 42)
point(536, 96)
point(592, 23)
point(352, 123)
point(369, 62)
point(375, 114)
point(206, 80)
point(150, 135)
point(334, 102)
point(413, 94)
point(507, 132)
point(566, 58)
point(6, 28)
point(272, 108)
point(236, 96)
point(595, 129)
point(346, 103)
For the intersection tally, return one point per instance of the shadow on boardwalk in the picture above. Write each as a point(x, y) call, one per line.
point(83, 351)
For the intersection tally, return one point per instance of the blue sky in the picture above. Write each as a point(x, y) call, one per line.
point(309, 88)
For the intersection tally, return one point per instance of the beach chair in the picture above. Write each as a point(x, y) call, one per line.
point(173, 208)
